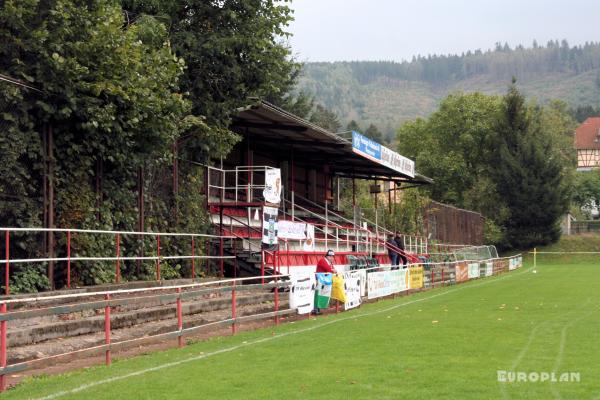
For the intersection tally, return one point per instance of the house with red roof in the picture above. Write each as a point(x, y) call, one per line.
point(587, 144)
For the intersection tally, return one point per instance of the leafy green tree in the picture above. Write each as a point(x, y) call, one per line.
point(233, 50)
point(586, 189)
point(452, 145)
point(109, 93)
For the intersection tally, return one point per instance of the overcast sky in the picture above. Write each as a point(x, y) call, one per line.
point(332, 30)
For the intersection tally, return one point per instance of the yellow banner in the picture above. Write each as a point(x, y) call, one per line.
point(415, 277)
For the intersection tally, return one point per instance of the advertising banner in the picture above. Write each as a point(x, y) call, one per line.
point(309, 243)
point(473, 271)
point(374, 151)
point(384, 283)
point(291, 230)
point(415, 277)
point(272, 191)
point(323, 290)
point(269, 226)
point(362, 274)
point(352, 280)
point(302, 292)
point(489, 268)
point(512, 264)
point(462, 272)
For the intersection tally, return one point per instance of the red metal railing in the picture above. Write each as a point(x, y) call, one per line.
point(69, 259)
point(116, 298)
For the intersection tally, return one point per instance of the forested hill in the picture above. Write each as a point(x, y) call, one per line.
point(387, 93)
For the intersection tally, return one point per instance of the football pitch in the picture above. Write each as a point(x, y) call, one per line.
point(521, 335)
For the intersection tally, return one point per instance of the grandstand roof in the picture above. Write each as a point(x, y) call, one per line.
point(278, 131)
point(587, 135)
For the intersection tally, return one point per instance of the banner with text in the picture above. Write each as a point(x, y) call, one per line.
point(269, 226)
point(489, 268)
point(323, 290)
point(352, 280)
point(374, 151)
point(384, 283)
point(415, 277)
point(302, 292)
point(462, 272)
point(272, 191)
point(473, 270)
point(309, 243)
point(291, 230)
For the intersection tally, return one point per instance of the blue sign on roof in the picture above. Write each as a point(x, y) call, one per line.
point(374, 151)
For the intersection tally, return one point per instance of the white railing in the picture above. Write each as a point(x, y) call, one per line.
point(244, 183)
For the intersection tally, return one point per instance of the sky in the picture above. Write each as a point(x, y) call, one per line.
point(344, 30)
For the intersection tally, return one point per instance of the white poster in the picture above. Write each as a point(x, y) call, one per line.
point(384, 283)
point(489, 268)
point(272, 192)
point(512, 264)
point(291, 230)
point(352, 285)
point(309, 243)
point(302, 292)
point(473, 270)
point(269, 226)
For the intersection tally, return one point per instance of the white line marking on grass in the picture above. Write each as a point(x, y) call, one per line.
point(563, 343)
point(266, 339)
point(530, 339)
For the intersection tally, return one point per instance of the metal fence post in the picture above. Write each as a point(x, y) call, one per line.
point(193, 259)
point(3, 349)
point(7, 269)
point(179, 319)
point(233, 309)
point(118, 266)
point(68, 259)
point(262, 267)
point(158, 257)
point(276, 269)
point(107, 329)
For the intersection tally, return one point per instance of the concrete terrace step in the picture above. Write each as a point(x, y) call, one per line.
point(62, 345)
point(122, 317)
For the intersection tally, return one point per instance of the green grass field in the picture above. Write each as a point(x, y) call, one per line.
point(446, 343)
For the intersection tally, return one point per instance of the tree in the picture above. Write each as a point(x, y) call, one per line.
point(452, 146)
point(325, 119)
point(109, 94)
point(586, 189)
point(528, 175)
point(353, 126)
point(374, 133)
point(233, 50)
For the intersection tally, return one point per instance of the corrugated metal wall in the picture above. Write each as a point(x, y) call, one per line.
point(452, 225)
